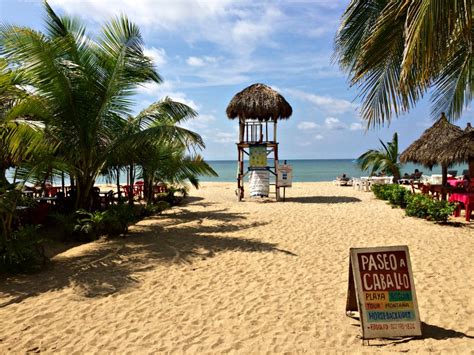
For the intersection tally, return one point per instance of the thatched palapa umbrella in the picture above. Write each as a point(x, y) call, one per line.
point(259, 101)
point(433, 142)
point(461, 150)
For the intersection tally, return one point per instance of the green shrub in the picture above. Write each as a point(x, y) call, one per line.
point(23, 251)
point(119, 217)
point(156, 208)
point(440, 211)
point(398, 195)
point(418, 205)
point(382, 192)
point(423, 206)
point(89, 225)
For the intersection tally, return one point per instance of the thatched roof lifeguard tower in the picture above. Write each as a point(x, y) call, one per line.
point(257, 108)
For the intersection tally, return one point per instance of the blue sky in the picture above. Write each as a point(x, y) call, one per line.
point(208, 50)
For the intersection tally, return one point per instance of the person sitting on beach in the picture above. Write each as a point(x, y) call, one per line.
point(416, 175)
point(343, 177)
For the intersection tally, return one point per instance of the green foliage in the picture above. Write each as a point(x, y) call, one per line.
point(156, 208)
point(386, 159)
point(396, 51)
point(66, 223)
point(417, 205)
point(381, 191)
point(399, 196)
point(395, 194)
point(89, 225)
point(423, 206)
point(23, 251)
point(84, 89)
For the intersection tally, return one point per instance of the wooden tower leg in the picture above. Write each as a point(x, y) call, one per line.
point(240, 182)
point(277, 188)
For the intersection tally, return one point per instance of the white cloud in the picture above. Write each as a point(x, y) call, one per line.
point(245, 24)
point(157, 92)
point(203, 121)
point(307, 125)
point(195, 62)
point(158, 55)
point(334, 124)
point(356, 126)
point(327, 103)
point(224, 137)
point(200, 61)
point(318, 137)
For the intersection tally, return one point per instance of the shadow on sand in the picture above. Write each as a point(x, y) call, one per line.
point(106, 267)
point(323, 199)
point(428, 332)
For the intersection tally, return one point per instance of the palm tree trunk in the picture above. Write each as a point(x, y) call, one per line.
point(119, 193)
point(130, 188)
point(63, 184)
point(3, 177)
point(84, 192)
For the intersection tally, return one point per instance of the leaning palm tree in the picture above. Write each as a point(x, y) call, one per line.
point(163, 115)
point(83, 89)
point(395, 51)
point(170, 164)
point(383, 159)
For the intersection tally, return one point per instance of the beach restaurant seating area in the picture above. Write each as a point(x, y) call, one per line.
point(62, 198)
point(365, 183)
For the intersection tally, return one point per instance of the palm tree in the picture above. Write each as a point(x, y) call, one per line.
point(384, 159)
point(83, 91)
point(171, 165)
point(155, 157)
point(19, 136)
point(395, 51)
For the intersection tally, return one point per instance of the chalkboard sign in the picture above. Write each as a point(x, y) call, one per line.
point(382, 290)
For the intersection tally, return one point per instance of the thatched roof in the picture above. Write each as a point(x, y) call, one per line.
point(433, 142)
point(259, 101)
point(460, 150)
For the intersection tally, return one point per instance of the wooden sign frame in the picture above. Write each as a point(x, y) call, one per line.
point(385, 298)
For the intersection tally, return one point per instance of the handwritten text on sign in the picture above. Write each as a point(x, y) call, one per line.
point(386, 292)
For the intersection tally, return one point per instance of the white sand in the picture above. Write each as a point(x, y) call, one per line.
point(253, 277)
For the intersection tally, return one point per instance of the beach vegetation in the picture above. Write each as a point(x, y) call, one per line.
point(423, 206)
point(395, 194)
point(67, 109)
point(415, 205)
point(83, 94)
point(396, 51)
point(385, 159)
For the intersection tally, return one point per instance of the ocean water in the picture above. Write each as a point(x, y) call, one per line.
point(315, 169)
point(303, 170)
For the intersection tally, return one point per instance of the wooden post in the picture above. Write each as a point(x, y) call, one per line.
point(444, 183)
point(275, 131)
point(63, 185)
point(471, 168)
point(241, 131)
point(275, 153)
point(240, 182)
point(266, 131)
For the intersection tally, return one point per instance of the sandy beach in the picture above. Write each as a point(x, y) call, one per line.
point(216, 276)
